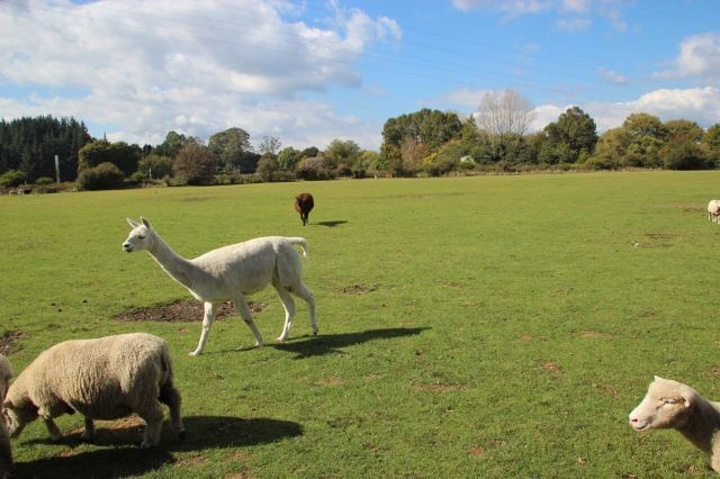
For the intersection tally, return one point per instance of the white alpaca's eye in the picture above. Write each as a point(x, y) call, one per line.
point(669, 401)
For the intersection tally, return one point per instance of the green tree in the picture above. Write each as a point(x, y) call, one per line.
point(430, 128)
point(343, 156)
point(194, 165)
point(120, 154)
point(684, 128)
point(105, 176)
point(574, 132)
point(228, 149)
point(267, 166)
point(681, 153)
point(287, 158)
point(155, 167)
point(712, 137)
point(173, 143)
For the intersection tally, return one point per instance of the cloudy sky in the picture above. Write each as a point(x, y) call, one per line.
point(312, 71)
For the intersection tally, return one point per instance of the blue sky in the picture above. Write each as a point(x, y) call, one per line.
point(310, 72)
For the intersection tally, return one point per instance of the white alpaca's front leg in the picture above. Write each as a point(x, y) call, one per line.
point(246, 315)
point(208, 320)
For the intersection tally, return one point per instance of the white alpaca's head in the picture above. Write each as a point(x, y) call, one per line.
point(140, 237)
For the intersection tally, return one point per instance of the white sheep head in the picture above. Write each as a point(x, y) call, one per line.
point(667, 404)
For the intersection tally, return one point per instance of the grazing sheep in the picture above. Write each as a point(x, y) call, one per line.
point(6, 462)
point(230, 272)
point(104, 378)
point(304, 204)
point(670, 404)
point(714, 211)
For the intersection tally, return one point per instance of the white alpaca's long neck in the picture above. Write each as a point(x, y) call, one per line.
point(174, 265)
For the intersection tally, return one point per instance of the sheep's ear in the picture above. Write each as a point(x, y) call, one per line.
point(132, 223)
point(8, 404)
point(658, 378)
point(145, 222)
point(688, 399)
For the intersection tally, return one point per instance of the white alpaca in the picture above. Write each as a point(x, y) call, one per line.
point(230, 272)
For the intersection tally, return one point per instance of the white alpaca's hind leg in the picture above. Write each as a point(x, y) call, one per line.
point(208, 321)
point(289, 306)
point(246, 315)
point(303, 292)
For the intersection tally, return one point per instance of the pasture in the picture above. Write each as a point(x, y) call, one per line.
point(469, 327)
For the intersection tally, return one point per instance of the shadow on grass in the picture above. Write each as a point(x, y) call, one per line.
point(331, 224)
point(308, 346)
point(124, 458)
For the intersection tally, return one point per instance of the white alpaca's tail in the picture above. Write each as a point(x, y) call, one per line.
point(303, 244)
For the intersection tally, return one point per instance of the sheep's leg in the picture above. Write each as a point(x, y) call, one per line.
point(89, 432)
point(246, 315)
point(171, 396)
point(153, 416)
point(208, 320)
point(289, 306)
point(303, 292)
point(52, 428)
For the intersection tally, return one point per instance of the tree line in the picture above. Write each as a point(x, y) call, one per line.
point(426, 142)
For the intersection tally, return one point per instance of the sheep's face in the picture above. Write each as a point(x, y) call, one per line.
point(667, 404)
point(17, 418)
point(139, 238)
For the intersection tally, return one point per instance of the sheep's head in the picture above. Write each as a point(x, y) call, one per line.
point(667, 404)
point(18, 416)
point(140, 237)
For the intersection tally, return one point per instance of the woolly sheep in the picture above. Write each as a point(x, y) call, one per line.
point(713, 209)
point(304, 203)
point(669, 404)
point(103, 378)
point(230, 272)
point(6, 462)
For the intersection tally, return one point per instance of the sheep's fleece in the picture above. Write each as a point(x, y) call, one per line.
point(6, 463)
point(104, 378)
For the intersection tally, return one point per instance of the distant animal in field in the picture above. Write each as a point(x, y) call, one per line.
point(102, 378)
point(714, 211)
point(231, 272)
point(304, 204)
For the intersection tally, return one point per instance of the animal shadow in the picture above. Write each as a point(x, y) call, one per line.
point(332, 343)
point(122, 457)
point(331, 224)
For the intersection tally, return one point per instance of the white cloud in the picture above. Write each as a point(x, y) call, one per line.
point(699, 57)
point(463, 98)
point(696, 104)
point(614, 77)
point(610, 10)
point(146, 68)
point(573, 25)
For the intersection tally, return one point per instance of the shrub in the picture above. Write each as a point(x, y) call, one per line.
point(105, 176)
point(44, 180)
point(12, 179)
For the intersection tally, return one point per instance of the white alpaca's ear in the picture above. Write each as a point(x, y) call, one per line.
point(145, 222)
point(658, 378)
point(8, 404)
point(132, 223)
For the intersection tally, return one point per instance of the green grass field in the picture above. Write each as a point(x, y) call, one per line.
point(469, 327)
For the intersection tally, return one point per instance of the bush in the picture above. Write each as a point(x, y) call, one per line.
point(44, 180)
point(12, 179)
point(105, 176)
